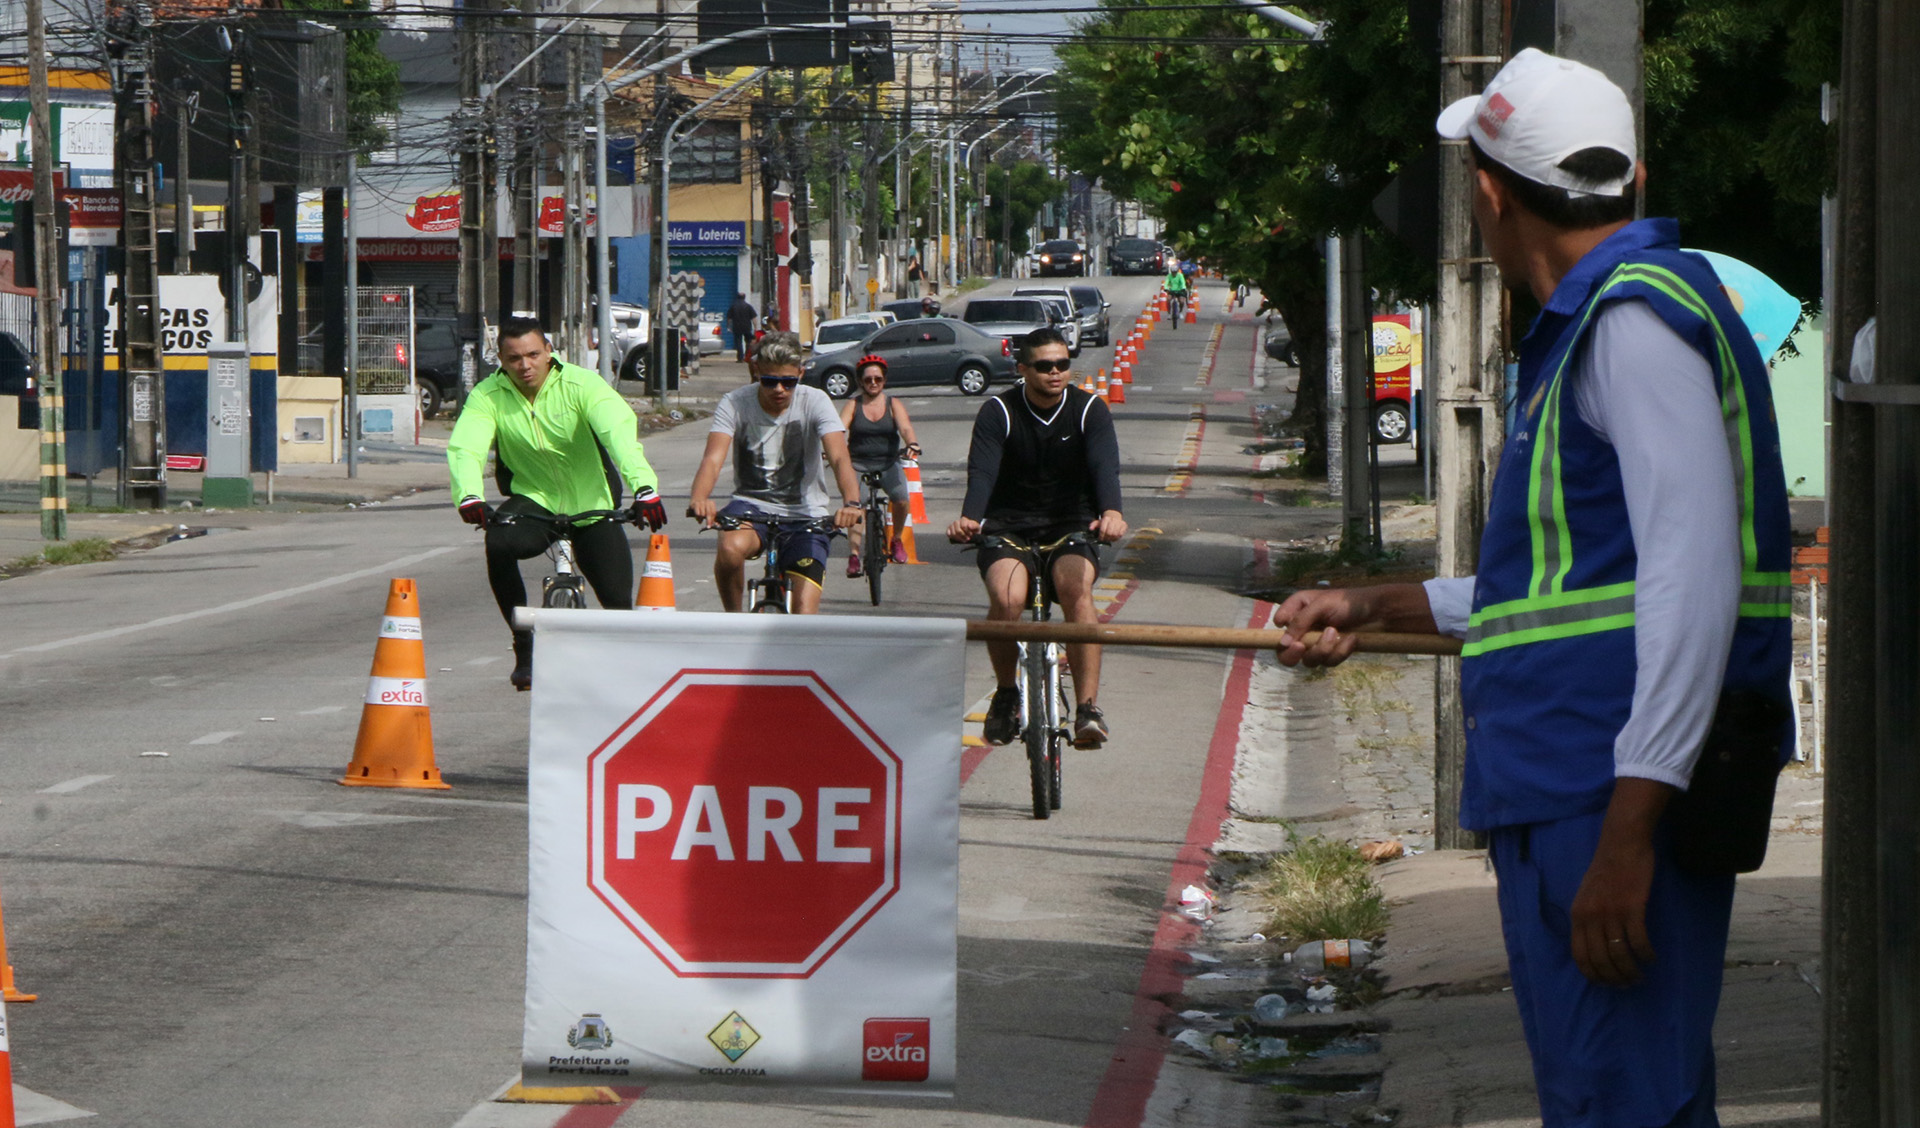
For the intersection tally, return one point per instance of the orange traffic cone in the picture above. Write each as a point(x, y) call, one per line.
point(6, 1074)
point(9, 993)
point(1117, 392)
point(1100, 389)
point(395, 744)
point(916, 511)
point(1193, 314)
point(656, 579)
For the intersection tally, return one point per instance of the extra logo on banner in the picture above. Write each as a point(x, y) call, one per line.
point(736, 865)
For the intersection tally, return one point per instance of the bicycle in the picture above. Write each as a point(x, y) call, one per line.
point(1177, 307)
point(1046, 715)
point(874, 525)
point(768, 594)
point(566, 588)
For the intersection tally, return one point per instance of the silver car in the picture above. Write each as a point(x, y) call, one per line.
point(1070, 316)
point(1007, 318)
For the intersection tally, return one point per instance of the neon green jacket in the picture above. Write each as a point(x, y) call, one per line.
point(561, 451)
point(1176, 282)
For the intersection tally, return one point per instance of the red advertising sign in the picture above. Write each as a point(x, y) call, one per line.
point(93, 216)
point(435, 213)
point(744, 823)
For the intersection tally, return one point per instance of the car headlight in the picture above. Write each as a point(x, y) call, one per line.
point(1077, 258)
point(1046, 258)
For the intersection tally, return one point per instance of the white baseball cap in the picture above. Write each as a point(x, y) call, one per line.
point(1539, 110)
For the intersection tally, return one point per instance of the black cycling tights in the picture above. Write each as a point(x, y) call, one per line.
point(600, 550)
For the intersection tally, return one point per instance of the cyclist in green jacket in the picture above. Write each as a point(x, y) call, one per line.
point(565, 443)
point(1177, 289)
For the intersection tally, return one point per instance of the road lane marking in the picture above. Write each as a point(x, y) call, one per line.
point(321, 710)
point(30, 1107)
point(214, 738)
point(483, 661)
point(68, 787)
point(330, 820)
point(228, 608)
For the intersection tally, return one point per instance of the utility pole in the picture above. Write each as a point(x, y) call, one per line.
point(478, 292)
point(802, 239)
point(50, 269)
point(184, 118)
point(143, 393)
point(573, 290)
point(870, 192)
point(836, 219)
point(1468, 371)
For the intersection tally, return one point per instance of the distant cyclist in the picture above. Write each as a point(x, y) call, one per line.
point(1177, 293)
point(878, 434)
point(1045, 462)
point(565, 442)
point(783, 438)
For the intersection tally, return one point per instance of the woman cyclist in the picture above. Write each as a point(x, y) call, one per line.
point(878, 430)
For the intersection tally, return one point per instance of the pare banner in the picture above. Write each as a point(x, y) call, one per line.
point(743, 850)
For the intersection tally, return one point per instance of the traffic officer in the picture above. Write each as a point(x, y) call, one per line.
point(1632, 597)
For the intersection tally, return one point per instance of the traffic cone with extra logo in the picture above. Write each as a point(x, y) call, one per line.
point(656, 578)
point(395, 744)
point(916, 510)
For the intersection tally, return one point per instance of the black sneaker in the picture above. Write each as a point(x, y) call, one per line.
point(522, 676)
point(1089, 726)
point(1003, 717)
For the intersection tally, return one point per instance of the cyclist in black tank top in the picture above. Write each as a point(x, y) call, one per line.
point(877, 444)
point(1045, 462)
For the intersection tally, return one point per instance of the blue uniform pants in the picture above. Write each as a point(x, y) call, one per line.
point(1611, 1057)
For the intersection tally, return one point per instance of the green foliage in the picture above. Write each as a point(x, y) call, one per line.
point(1322, 889)
point(1736, 149)
point(1026, 185)
point(1252, 145)
point(373, 80)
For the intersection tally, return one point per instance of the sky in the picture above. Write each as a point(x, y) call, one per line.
point(1025, 54)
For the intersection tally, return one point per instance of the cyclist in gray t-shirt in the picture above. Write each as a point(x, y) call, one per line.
point(783, 437)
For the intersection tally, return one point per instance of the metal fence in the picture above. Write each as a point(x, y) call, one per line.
point(386, 341)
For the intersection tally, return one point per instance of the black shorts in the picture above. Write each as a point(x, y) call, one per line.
point(803, 552)
point(1037, 534)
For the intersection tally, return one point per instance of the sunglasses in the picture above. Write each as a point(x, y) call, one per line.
point(873, 376)
point(787, 382)
point(1045, 366)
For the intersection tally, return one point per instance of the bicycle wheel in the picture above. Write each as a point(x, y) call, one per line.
point(772, 597)
point(563, 591)
point(1036, 728)
point(876, 546)
point(1057, 735)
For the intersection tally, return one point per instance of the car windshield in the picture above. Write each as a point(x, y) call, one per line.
point(842, 334)
point(1059, 246)
point(1004, 309)
point(1084, 296)
point(1133, 247)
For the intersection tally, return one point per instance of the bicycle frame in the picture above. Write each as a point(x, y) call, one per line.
point(566, 587)
point(774, 594)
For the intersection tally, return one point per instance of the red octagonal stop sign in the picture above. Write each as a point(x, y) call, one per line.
point(744, 823)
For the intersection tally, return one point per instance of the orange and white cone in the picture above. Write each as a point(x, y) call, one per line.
point(6, 1074)
point(395, 745)
point(1117, 391)
point(916, 511)
point(1193, 313)
point(1100, 388)
point(656, 577)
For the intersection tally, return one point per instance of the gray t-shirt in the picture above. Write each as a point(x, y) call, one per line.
point(779, 466)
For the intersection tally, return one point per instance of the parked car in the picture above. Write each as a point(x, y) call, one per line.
point(1061, 256)
point(712, 341)
point(923, 351)
point(1007, 318)
point(906, 309)
point(631, 326)
point(1060, 309)
point(1135, 256)
point(1279, 343)
point(436, 364)
point(1085, 306)
point(840, 332)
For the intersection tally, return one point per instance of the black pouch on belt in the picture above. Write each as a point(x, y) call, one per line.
point(1719, 824)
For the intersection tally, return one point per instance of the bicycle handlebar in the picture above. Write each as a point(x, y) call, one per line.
point(566, 520)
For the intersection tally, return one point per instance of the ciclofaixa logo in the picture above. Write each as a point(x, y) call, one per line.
point(896, 1049)
point(1495, 114)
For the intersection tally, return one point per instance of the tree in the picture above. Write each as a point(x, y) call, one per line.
point(1736, 149)
point(1025, 185)
point(1252, 145)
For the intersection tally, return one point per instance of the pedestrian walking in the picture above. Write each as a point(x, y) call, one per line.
point(740, 319)
point(1627, 639)
point(916, 276)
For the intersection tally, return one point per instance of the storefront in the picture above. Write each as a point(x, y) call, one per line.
point(716, 250)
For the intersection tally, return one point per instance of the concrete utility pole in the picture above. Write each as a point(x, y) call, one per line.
point(870, 191)
point(143, 391)
point(1468, 371)
point(1850, 892)
point(479, 284)
point(185, 116)
point(836, 219)
point(48, 274)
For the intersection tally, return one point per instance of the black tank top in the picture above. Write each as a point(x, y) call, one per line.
point(872, 444)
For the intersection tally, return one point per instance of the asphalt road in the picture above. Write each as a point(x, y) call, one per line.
point(221, 936)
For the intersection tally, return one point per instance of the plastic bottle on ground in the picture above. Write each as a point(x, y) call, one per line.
point(1271, 1009)
point(1325, 955)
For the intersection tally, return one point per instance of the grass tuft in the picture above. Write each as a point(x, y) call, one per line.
point(1322, 890)
point(87, 550)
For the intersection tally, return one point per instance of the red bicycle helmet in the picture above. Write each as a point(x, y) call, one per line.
point(871, 358)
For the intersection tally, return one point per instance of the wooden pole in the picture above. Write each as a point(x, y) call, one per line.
point(51, 269)
point(1170, 634)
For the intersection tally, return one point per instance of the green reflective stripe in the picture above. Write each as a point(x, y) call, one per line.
point(1522, 621)
point(1475, 647)
point(1563, 599)
point(1733, 393)
point(1766, 610)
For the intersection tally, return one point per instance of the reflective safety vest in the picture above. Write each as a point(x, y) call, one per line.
point(1548, 669)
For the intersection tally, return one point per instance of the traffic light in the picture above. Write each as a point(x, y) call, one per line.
point(870, 45)
point(21, 242)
